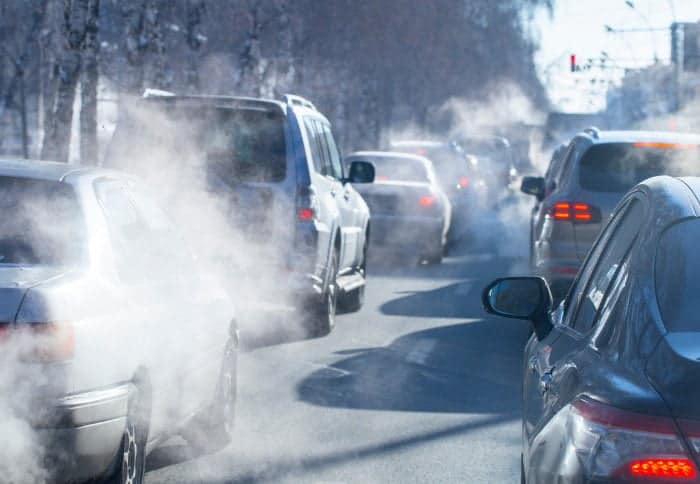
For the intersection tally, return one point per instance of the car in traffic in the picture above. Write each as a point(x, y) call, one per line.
point(609, 377)
point(112, 340)
point(410, 211)
point(593, 174)
point(496, 157)
point(458, 174)
point(277, 167)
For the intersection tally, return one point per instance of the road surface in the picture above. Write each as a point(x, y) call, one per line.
point(420, 386)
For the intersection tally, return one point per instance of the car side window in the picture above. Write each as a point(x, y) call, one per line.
point(336, 164)
point(125, 227)
point(575, 292)
point(608, 264)
point(317, 152)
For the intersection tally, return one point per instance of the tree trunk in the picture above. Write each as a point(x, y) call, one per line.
point(89, 148)
point(195, 41)
point(132, 13)
point(57, 133)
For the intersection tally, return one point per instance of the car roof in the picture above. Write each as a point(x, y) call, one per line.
point(47, 170)
point(218, 101)
point(644, 136)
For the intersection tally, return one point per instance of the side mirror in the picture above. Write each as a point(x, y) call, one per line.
point(361, 172)
point(533, 185)
point(526, 298)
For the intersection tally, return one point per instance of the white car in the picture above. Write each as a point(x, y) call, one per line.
point(110, 338)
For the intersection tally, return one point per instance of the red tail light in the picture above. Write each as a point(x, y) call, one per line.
point(463, 181)
point(40, 342)
point(619, 444)
point(305, 214)
point(661, 467)
point(426, 201)
point(574, 212)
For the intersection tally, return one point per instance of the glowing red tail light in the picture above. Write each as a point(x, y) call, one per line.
point(426, 201)
point(305, 214)
point(575, 212)
point(664, 468)
point(463, 181)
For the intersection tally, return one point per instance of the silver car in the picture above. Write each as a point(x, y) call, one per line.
point(410, 211)
point(585, 184)
point(111, 341)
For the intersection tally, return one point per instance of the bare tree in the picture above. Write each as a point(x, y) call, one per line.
point(195, 39)
point(58, 126)
point(88, 88)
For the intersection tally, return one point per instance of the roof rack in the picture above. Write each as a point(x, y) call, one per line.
point(593, 131)
point(150, 92)
point(294, 100)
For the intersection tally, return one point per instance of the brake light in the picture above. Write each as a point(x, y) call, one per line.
point(307, 204)
point(658, 144)
point(661, 467)
point(381, 178)
point(613, 443)
point(426, 200)
point(40, 342)
point(575, 212)
point(463, 181)
point(305, 214)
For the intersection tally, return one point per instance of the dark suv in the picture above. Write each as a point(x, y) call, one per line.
point(279, 170)
point(585, 183)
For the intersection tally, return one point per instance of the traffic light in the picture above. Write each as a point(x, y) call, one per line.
point(572, 58)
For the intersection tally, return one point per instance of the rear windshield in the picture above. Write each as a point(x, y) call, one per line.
point(617, 167)
point(678, 276)
point(40, 223)
point(242, 145)
point(392, 169)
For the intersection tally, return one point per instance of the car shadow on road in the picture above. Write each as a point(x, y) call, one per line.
point(464, 368)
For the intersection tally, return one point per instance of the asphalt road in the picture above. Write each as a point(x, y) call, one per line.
point(420, 386)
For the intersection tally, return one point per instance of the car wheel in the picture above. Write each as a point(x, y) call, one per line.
point(213, 430)
point(322, 318)
point(130, 464)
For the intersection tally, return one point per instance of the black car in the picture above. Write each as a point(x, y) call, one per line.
point(610, 376)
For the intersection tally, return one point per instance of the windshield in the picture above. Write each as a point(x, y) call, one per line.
point(617, 167)
point(398, 169)
point(41, 223)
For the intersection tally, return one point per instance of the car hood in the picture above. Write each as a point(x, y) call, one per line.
point(674, 370)
point(15, 280)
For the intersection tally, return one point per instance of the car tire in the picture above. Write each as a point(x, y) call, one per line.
point(321, 319)
point(213, 429)
point(130, 463)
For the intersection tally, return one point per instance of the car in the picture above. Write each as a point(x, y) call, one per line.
point(112, 340)
point(410, 211)
point(609, 377)
point(596, 171)
point(277, 167)
point(496, 157)
point(459, 177)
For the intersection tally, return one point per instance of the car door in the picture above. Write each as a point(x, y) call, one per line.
point(551, 374)
point(348, 203)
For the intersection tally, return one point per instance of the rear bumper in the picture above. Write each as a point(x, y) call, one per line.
point(404, 233)
point(82, 433)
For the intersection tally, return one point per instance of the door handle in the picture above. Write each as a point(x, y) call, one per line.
point(546, 382)
point(532, 364)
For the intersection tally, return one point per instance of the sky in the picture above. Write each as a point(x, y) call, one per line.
point(579, 27)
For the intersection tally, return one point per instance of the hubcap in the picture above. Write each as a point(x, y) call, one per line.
point(130, 456)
